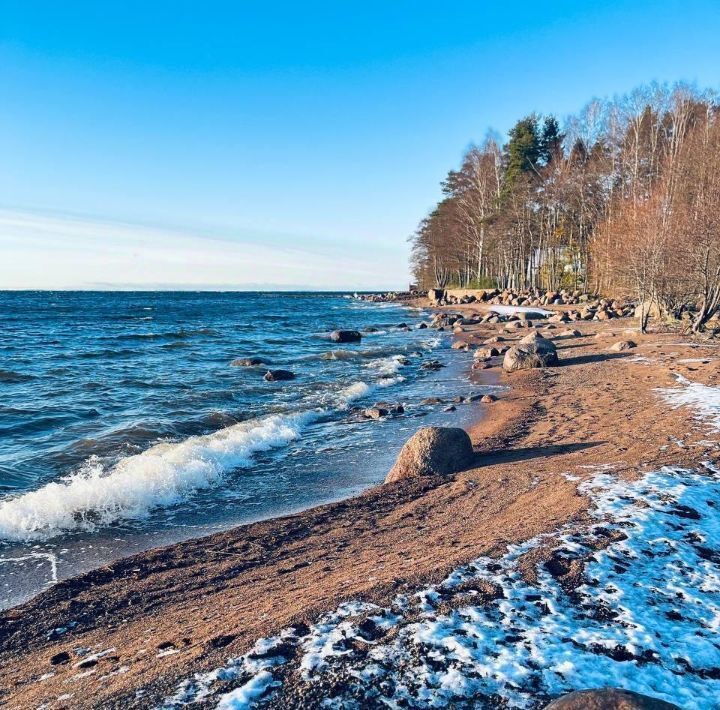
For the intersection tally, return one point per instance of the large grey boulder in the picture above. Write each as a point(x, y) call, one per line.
point(345, 336)
point(433, 451)
point(608, 699)
point(532, 351)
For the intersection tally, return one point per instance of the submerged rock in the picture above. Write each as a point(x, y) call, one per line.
point(248, 362)
point(346, 336)
point(278, 375)
point(375, 413)
point(433, 451)
point(608, 699)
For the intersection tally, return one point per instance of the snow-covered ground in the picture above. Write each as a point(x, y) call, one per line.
point(705, 400)
point(645, 616)
point(515, 310)
point(646, 619)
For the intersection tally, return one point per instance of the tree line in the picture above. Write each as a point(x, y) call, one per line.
point(623, 200)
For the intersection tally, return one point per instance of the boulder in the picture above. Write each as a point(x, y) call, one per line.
point(460, 345)
point(278, 375)
point(608, 699)
point(486, 353)
point(536, 338)
point(248, 362)
point(488, 398)
point(533, 351)
point(392, 408)
point(647, 308)
point(345, 336)
point(623, 345)
point(432, 365)
point(375, 413)
point(433, 451)
point(572, 333)
point(436, 295)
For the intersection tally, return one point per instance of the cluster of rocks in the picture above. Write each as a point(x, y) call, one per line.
point(391, 296)
point(590, 306)
point(379, 410)
point(512, 297)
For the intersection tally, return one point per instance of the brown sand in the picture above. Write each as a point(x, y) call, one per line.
point(168, 613)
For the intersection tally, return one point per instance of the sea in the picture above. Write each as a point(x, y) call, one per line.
point(124, 427)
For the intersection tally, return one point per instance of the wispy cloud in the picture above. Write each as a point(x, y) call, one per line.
point(59, 251)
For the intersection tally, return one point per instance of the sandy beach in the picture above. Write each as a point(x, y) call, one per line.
point(127, 635)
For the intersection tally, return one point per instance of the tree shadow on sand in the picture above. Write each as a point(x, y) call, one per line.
point(587, 359)
point(530, 452)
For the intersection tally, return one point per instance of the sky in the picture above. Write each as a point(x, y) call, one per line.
point(231, 145)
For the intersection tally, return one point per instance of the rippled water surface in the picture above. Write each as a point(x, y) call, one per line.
point(123, 425)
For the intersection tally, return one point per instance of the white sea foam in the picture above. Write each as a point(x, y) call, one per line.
point(388, 365)
point(163, 475)
point(357, 390)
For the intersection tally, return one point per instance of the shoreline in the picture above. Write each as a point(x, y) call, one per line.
point(167, 613)
point(314, 439)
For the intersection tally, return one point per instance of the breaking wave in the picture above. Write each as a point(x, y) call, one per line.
point(163, 475)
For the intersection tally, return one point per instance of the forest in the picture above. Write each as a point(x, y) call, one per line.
point(622, 199)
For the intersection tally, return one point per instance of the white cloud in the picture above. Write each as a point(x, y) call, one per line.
point(51, 251)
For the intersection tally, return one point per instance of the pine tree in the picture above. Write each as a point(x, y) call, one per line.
point(551, 140)
point(523, 150)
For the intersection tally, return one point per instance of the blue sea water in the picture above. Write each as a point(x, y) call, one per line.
point(123, 425)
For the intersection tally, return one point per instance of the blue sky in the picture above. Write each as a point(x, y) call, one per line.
point(291, 144)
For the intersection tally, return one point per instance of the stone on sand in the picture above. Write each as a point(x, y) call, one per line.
point(623, 345)
point(433, 451)
point(533, 351)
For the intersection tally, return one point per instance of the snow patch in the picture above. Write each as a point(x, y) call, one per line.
point(646, 617)
point(705, 400)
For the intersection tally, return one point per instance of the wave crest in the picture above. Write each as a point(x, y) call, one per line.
point(163, 475)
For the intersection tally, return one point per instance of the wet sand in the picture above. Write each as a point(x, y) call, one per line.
point(147, 622)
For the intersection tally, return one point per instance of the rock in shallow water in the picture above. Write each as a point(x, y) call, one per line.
point(345, 336)
point(248, 362)
point(608, 699)
point(278, 375)
point(433, 451)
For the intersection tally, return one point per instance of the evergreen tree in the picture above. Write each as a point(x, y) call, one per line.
point(522, 151)
point(551, 140)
